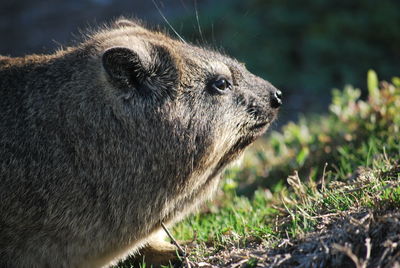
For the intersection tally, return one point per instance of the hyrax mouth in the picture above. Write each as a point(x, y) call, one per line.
point(262, 122)
point(260, 126)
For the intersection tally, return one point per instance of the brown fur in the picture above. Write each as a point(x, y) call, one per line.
point(104, 141)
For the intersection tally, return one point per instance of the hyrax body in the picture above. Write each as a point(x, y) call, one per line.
point(102, 142)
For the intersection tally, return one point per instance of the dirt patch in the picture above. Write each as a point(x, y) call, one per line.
point(360, 239)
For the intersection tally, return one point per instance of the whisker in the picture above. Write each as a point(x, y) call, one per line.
point(198, 21)
point(166, 20)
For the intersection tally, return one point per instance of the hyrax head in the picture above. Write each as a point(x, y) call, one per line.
point(196, 105)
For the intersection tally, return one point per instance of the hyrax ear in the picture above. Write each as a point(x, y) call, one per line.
point(155, 76)
point(122, 22)
point(123, 66)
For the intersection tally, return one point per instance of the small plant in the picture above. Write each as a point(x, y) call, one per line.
point(355, 133)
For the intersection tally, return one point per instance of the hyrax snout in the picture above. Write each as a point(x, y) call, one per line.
point(102, 142)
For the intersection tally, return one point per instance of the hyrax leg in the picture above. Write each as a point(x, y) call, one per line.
point(158, 252)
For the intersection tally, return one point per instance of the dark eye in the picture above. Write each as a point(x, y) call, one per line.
point(221, 84)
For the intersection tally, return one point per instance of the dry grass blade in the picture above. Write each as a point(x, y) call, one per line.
point(181, 250)
point(349, 253)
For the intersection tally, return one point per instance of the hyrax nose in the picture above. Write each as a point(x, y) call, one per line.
point(276, 98)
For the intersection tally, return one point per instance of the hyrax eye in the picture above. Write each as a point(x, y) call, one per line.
point(221, 85)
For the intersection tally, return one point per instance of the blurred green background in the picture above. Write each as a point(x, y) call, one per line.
point(305, 48)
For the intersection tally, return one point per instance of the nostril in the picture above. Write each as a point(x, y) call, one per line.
point(276, 99)
point(278, 94)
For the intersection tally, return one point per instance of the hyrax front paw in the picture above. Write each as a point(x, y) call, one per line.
point(159, 252)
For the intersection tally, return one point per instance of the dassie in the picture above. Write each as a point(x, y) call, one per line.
point(102, 142)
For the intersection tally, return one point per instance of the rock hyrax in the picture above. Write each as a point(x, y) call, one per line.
point(102, 142)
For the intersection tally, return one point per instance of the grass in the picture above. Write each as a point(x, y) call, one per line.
point(321, 192)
